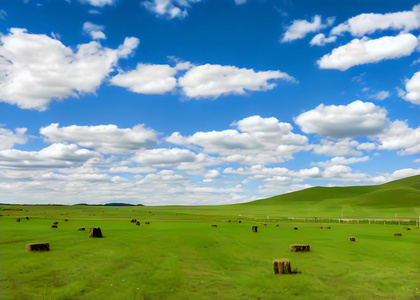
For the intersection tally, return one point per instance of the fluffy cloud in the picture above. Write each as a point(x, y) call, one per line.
point(107, 139)
point(342, 121)
point(164, 156)
point(54, 156)
point(398, 136)
point(212, 174)
point(321, 40)
point(413, 89)
point(216, 80)
point(147, 79)
point(8, 139)
point(134, 170)
point(170, 8)
point(257, 138)
point(95, 31)
point(340, 160)
point(344, 147)
point(300, 28)
point(405, 173)
point(36, 69)
point(369, 23)
point(365, 50)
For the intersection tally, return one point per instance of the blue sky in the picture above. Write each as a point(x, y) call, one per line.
point(204, 101)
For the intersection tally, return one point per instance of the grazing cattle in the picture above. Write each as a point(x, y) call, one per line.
point(295, 228)
point(138, 223)
point(147, 223)
point(397, 234)
point(27, 218)
point(214, 225)
point(352, 239)
point(54, 226)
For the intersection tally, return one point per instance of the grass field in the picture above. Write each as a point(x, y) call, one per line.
point(181, 256)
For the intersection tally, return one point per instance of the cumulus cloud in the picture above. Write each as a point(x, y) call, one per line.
point(99, 3)
point(9, 138)
point(300, 28)
point(147, 79)
point(212, 174)
point(164, 175)
point(398, 136)
point(163, 156)
point(364, 51)
point(216, 80)
point(54, 156)
point(257, 138)
point(369, 23)
point(340, 160)
point(344, 121)
point(169, 8)
point(403, 173)
point(131, 170)
point(413, 89)
point(344, 147)
point(95, 31)
point(321, 40)
point(36, 69)
point(107, 139)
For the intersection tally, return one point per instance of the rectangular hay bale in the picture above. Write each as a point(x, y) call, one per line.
point(282, 266)
point(37, 247)
point(299, 248)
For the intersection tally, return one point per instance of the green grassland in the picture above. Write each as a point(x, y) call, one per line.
point(181, 256)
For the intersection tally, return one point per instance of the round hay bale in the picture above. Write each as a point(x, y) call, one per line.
point(37, 247)
point(81, 229)
point(282, 266)
point(299, 248)
point(254, 228)
point(328, 227)
point(54, 226)
point(295, 228)
point(95, 232)
point(352, 239)
point(229, 221)
point(17, 220)
point(277, 225)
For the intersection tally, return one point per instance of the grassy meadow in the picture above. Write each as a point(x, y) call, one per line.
point(181, 256)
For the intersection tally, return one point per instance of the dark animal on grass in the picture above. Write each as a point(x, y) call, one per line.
point(147, 223)
point(299, 248)
point(282, 266)
point(27, 218)
point(66, 220)
point(137, 223)
point(133, 220)
point(38, 247)
point(295, 228)
point(265, 224)
point(408, 228)
point(214, 225)
point(55, 223)
point(54, 226)
point(397, 234)
point(95, 232)
point(352, 239)
point(17, 220)
point(240, 221)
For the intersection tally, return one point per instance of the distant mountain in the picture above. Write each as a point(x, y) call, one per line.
point(122, 204)
point(399, 194)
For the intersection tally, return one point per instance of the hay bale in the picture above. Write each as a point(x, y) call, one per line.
point(66, 220)
point(299, 248)
point(277, 225)
point(54, 226)
point(17, 220)
point(133, 220)
point(81, 229)
point(214, 225)
point(240, 221)
point(397, 234)
point(95, 232)
point(254, 228)
point(27, 218)
point(55, 223)
point(408, 228)
point(265, 224)
point(229, 221)
point(295, 228)
point(282, 266)
point(328, 227)
point(37, 247)
point(322, 227)
point(137, 223)
point(147, 223)
point(352, 239)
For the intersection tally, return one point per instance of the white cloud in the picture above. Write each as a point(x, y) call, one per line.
point(240, 2)
point(169, 8)
point(365, 50)
point(99, 3)
point(216, 80)
point(164, 175)
point(8, 139)
point(147, 79)
point(164, 156)
point(132, 170)
point(342, 121)
point(107, 139)
point(398, 136)
point(381, 95)
point(413, 89)
point(212, 174)
point(369, 23)
point(265, 140)
point(344, 147)
point(95, 31)
point(300, 28)
point(403, 173)
point(54, 156)
point(36, 69)
point(340, 160)
point(321, 40)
